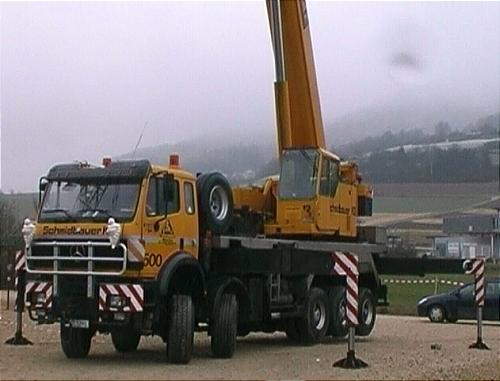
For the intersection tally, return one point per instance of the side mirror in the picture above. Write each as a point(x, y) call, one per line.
point(169, 195)
point(169, 187)
point(42, 186)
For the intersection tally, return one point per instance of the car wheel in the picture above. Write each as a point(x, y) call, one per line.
point(436, 313)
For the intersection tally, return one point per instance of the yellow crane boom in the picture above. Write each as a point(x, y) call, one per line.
point(298, 109)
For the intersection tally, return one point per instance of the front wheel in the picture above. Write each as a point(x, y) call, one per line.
point(225, 327)
point(75, 342)
point(436, 313)
point(180, 329)
point(312, 326)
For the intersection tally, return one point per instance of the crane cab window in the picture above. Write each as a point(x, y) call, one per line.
point(329, 177)
point(158, 198)
point(189, 198)
point(299, 174)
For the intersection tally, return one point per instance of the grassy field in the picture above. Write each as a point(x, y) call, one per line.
point(403, 297)
point(385, 204)
point(430, 197)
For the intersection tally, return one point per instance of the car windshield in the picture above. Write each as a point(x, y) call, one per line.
point(72, 201)
point(299, 174)
point(467, 290)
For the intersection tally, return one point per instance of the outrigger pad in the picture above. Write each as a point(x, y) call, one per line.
point(479, 344)
point(350, 362)
point(18, 339)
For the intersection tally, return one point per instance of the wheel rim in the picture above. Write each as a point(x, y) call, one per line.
point(367, 312)
point(436, 314)
point(219, 203)
point(319, 315)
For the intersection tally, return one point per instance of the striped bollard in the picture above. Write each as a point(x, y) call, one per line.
point(476, 267)
point(20, 282)
point(346, 264)
point(19, 266)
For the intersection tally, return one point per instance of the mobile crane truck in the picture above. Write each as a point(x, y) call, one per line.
point(132, 249)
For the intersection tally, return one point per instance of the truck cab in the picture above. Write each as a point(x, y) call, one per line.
point(114, 246)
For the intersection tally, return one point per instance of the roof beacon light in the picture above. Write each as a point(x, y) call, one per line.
point(173, 161)
point(106, 161)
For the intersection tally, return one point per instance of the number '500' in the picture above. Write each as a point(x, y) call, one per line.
point(152, 260)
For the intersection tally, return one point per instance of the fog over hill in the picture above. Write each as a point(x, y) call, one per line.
point(407, 112)
point(246, 158)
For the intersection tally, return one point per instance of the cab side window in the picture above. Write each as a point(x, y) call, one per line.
point(157, 199)
point(189, 198)
point(329, 177)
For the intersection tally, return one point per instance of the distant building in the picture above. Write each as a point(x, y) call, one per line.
point(469, 236)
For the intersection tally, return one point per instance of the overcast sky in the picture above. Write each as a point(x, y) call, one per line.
point(80, 80)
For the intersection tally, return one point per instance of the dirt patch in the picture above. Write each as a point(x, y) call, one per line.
point(399, 348)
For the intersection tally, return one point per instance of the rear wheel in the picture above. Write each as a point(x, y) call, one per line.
point(338, 325)
point(436, 313)
point(180, 329)
point(367, 312)
point(224, 327)
point(312, 326)
point(75, 342)
point(125, 339)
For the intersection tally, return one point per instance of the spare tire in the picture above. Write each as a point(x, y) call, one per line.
point(215, 202)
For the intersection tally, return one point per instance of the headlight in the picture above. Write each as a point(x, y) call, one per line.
point(39, 298)
point(113, 232)
point(117, 301)
point(28, 231)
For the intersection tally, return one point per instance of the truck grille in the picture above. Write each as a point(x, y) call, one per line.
point(76, 257)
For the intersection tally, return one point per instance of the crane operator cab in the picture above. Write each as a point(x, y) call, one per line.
point(319, 194)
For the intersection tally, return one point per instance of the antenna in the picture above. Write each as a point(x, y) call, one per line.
point(139, 140)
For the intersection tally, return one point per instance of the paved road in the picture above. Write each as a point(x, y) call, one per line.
point(400, 347)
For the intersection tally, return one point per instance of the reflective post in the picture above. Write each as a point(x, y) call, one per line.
point(18, 338)
point(479, 344)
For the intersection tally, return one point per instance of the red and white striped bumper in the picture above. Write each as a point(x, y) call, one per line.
point(39, 287)
point(133, 293)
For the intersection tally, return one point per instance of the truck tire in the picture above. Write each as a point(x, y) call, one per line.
point(75, 342)
point(215, 199)
point(125, 339)
point(312, 326)
point(180, 329)
point(224, 328)
point(367, 312)
point(338, 323)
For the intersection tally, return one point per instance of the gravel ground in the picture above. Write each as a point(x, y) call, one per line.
point(399, 348)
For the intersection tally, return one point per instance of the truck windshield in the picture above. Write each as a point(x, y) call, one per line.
point(72, 201)
point(299, 174)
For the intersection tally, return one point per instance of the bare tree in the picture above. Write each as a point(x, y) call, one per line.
point(10, 226)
